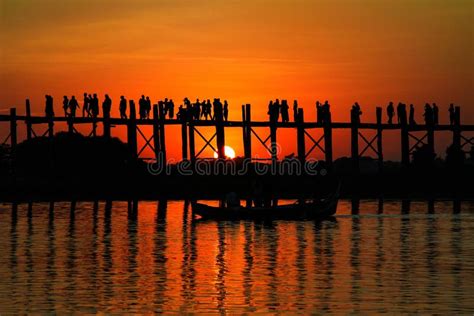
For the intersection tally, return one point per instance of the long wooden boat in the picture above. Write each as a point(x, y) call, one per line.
point(314, 210)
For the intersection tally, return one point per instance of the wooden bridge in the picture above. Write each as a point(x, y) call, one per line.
point(306, 143)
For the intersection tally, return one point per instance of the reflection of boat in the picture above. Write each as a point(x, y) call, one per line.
point(314, 210)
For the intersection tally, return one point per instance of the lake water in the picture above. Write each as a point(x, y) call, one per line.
point(416, 257)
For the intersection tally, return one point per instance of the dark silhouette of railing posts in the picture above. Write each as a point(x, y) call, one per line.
point(132, 130)
point(29, 129)
point(300, 136)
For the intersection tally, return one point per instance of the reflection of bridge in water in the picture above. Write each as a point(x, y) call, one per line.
point(321, 263)
point(306, 142)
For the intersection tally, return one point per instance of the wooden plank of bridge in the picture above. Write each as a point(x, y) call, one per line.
point(405, 142)
point(162, 132)
point(300, 136)
point(355, 141)
point(13, 128)
point(29, 130)
point(156, 132)
point(328, 141)
point(378, 114)
point(132, 130)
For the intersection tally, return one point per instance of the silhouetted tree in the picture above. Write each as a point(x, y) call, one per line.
point(423, 157)
point(455, 156)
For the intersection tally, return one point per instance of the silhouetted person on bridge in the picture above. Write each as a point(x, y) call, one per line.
point(95, 106)
point(401, 110)
point(106, 106)
point(85, 106)
point(49, 109)
point(218, 109)
point(285, 116)
point(277, 110)
point(435, 114)
point(147, 107)
point(428, 115)
point(319, 112)
point(390, 112)
point(171, 108)
point(196, 110)
point(123, 107)
point(181, 115)
point(142, 107)
point(73, 105)
point(65, 105)
point(452, 114)
point(412, 115)
point(226, 110)
point(326, 112)
point(356, 112)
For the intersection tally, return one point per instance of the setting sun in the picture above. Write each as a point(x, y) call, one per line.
point(229, 152)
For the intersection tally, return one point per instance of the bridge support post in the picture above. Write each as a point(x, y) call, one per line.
point(378, 114)
point(162, 133)
point(132, 130)
point(300, 137)
point(355, 141)
point(29, 130)
point(405, 143)
point(328, 141)
point(13, 128)
point(156, 133)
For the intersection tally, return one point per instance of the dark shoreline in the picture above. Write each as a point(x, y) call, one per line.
point(215, 187)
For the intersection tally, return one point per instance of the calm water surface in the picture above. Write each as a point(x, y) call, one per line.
point(105, 257)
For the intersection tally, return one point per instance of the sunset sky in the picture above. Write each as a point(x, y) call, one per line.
point(247, 51)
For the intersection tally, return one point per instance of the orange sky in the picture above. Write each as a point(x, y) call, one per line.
point(246, 51)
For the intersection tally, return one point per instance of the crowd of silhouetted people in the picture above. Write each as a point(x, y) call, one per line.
point(203, 110)
point(217, 110)
point(430, 114)
point(90, 108)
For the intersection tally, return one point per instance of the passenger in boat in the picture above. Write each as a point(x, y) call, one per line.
point(232, 200)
